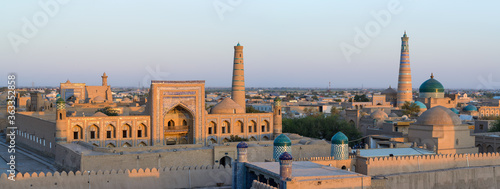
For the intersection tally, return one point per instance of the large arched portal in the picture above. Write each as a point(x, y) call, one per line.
point(178, 124)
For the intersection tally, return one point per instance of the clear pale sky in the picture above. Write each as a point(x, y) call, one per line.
point(286, 43)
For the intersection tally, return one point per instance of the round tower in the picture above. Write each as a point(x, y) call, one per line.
point(405, 92)
point(61, 122)
point(239, 169)
point(238, 87)
point(281, 144)
point(286, 160)
point(340, 147)
point(277, 123)
point(242, 151)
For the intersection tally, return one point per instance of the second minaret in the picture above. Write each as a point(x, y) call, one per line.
point(405, 92)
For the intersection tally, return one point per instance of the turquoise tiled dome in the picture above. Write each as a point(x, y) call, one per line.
point(340, 147)
point(281, 144)
point(454, 110)
point(470, 108)
point(431, 86)
point(421, 105)
point(340, 138)
point(282, 140)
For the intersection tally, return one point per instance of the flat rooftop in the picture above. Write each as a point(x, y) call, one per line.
point(378, 152)
point(303, 170)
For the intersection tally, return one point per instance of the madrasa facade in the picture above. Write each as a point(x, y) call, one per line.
point(174, 113)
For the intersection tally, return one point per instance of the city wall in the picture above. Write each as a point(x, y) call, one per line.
point(173, 177)
point(35, 134)
point(407, 164)
point(147, 160)
point(82, 156)
point(472, 177)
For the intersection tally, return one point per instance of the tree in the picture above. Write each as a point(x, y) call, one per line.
point(251, 109)
point(236, 138)
point(108, 111)
point(315, 97)
point(361, 98)
point(320, 127)
point(410, 109)
point(496, 126)
point(334, 110)
point(312, 112)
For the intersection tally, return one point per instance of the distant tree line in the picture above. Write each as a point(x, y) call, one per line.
point(360, 98)
point(251, 109)
point(108, 111)
point(320, 127)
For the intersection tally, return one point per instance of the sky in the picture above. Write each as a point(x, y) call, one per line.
point(286, 43)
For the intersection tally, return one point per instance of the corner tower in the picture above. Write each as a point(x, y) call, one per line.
point(404, 79)
point(277, 118)
point(238, 87)
point(61, 122)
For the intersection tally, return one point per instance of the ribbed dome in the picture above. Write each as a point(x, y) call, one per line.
point(339, 138)
point(470, 108)
point(227, 106)
point(389, 91)
point(455, 110)
point(379, 114)
point(242, 145)
point(438, 115)
point(420, 105)
point(282, 140)
point(431, 86)
point(286, 156)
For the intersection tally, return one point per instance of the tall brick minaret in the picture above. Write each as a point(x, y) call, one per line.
point(404, 80)
point(238, 88)
point(104, 79)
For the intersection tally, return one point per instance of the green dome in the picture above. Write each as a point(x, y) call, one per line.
point(420, 104)
point(60, 101)
point(340, 138)
point(431, 86)
point(470, 108)
point(282, 140)
point(454, 110)
point(277, 99)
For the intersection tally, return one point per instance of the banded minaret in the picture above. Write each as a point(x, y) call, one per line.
point(238, 88)
point(104, 79)
point(404, 81)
